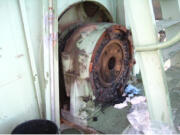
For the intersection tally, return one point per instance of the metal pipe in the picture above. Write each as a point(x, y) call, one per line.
point(51, 57)
point(46, 67)
point(56, 64)
point(142, 22)
point(153, 47)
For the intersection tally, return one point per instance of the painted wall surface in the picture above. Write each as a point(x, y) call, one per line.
point(17, 90)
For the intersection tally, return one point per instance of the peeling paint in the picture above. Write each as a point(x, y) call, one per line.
point(84, 47)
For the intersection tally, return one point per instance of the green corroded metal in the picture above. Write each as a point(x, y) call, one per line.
point(25, 88)
point(79, 86)
point(24, 59)
point(91, 39)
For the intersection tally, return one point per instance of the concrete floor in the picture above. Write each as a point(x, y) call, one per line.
point(111, 121)
point(114, 121)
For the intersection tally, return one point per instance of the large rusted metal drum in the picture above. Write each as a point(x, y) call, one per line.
point(100, 57)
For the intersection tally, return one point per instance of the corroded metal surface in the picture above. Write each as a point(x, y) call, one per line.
point(112, 61)
point(101, 54)
point(83, 12)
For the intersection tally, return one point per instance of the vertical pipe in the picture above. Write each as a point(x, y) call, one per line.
point(56, 66)
point(53, 53)
point(51, 57)
point(142, 24)
point(46, 68)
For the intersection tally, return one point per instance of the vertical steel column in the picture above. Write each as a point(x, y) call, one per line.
point(142, 23)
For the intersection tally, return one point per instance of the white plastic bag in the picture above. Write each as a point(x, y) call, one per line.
point(140, 121)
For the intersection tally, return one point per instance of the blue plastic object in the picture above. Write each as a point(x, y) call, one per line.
point(132, 90)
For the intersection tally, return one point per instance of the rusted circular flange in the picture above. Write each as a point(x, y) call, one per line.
point(111, 63)
point(111, 60)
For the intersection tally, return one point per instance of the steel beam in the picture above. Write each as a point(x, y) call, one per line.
point(142, 22)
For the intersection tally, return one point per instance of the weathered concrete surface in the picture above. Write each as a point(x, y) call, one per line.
point(173, 76)
point(110, 121)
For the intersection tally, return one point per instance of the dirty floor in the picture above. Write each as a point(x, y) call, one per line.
point(115, 121)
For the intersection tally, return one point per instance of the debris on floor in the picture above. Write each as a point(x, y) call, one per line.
point(132, 90)
point(139, 119)
point(133, 101)
point(108, 122)
point(178, 128)
point(137, 100)
point(121, 105)
point(119, 100)
point(139, 116)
